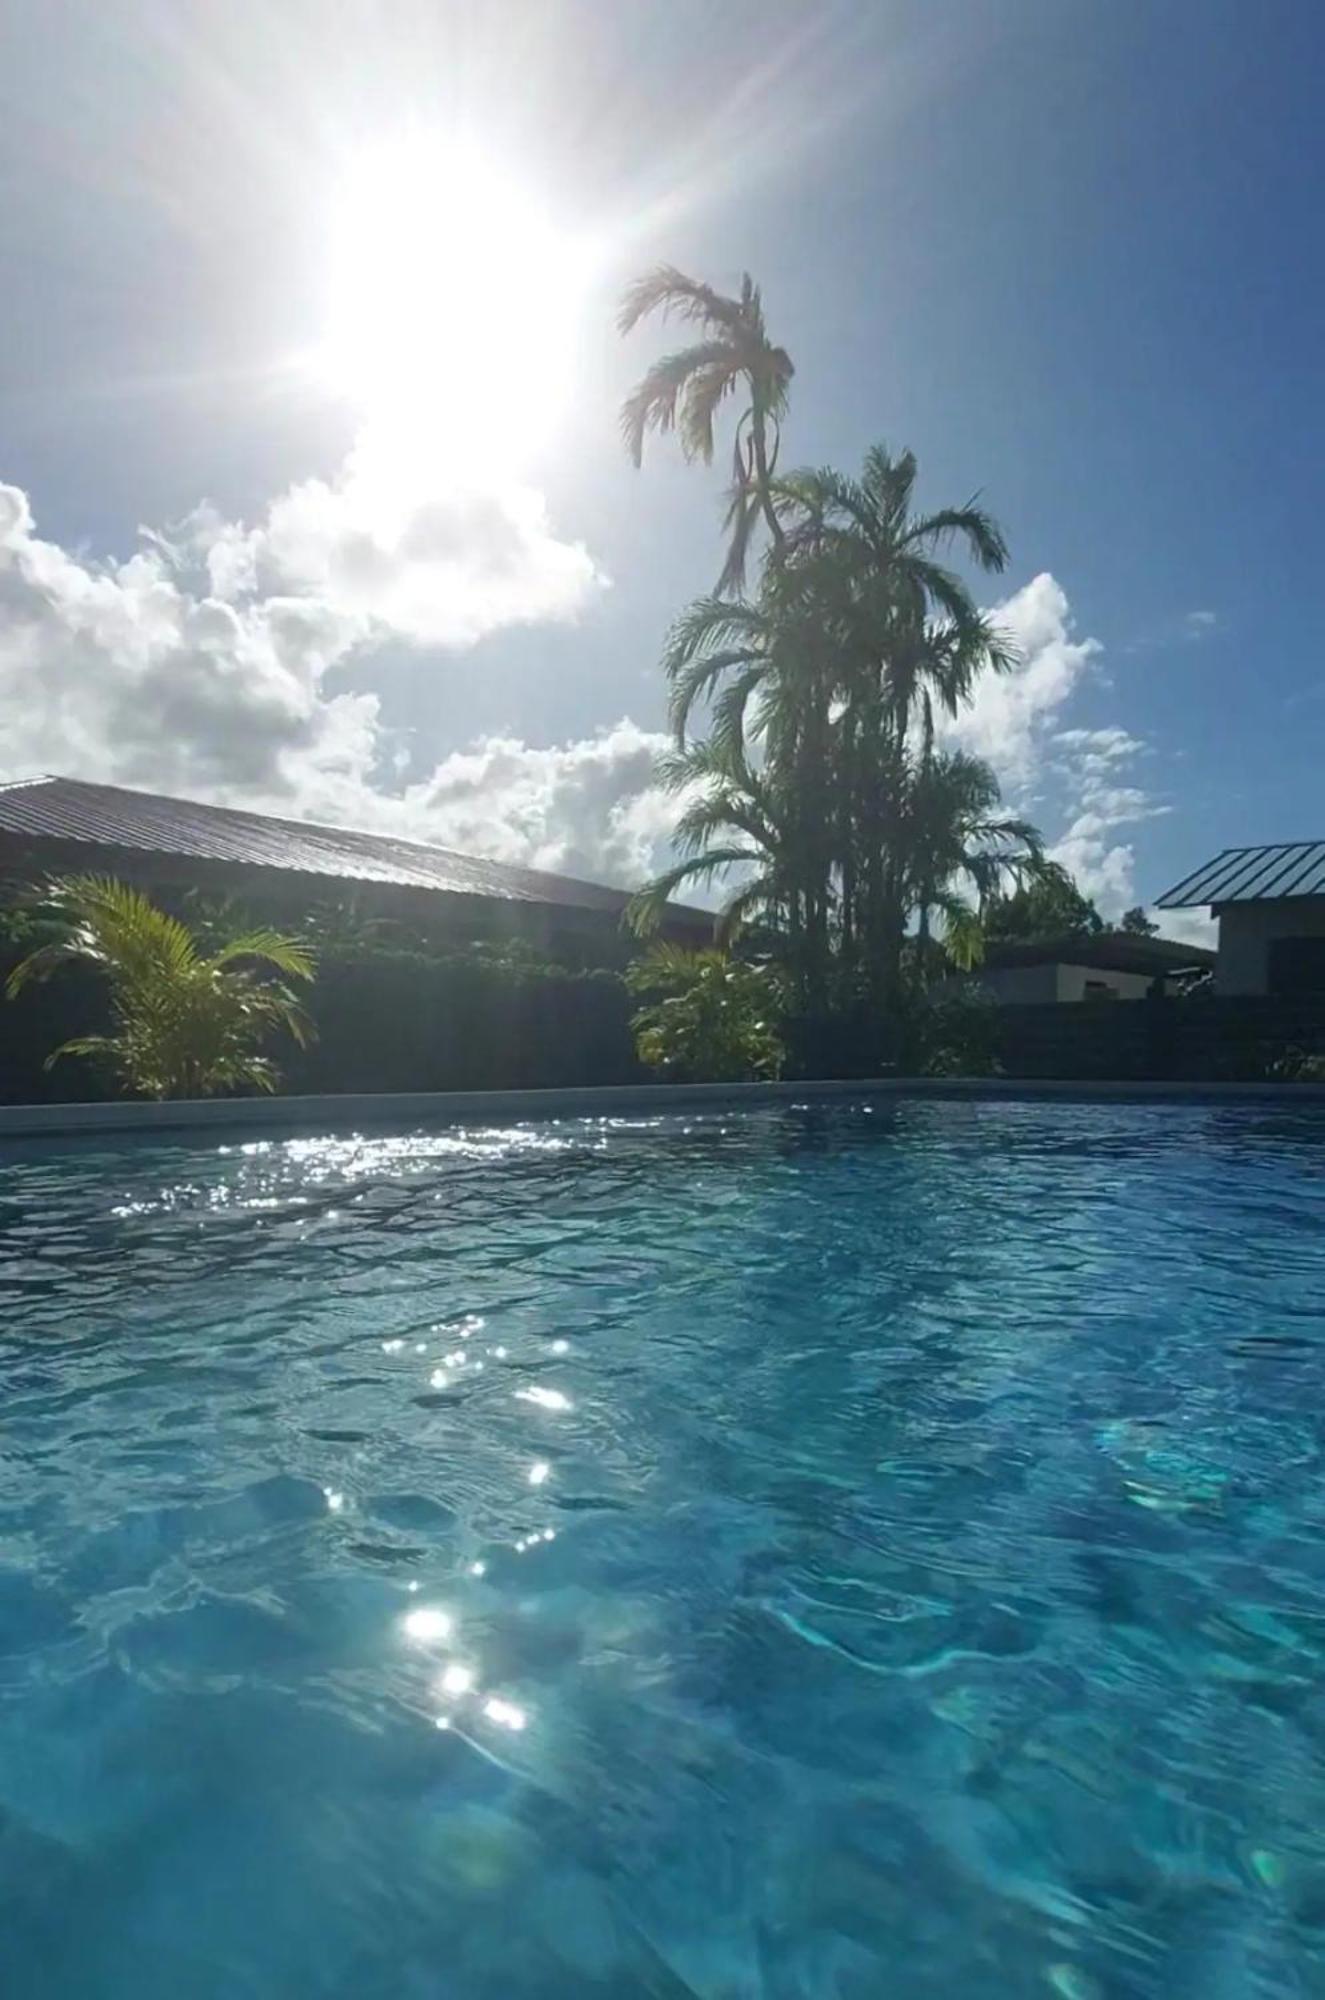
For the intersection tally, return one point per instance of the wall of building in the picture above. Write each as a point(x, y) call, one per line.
point(1074, 979)
point(1247, 930)
point(1009, 985)
point(1032, 985)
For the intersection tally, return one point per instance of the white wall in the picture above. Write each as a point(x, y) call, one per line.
point(1029, 985)
point(1246, 931)
point(1123, 985)
point(1014, 985)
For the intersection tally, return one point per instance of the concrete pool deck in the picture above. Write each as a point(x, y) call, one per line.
point(305, 1114)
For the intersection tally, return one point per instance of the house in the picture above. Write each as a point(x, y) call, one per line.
point(1270, 906)
point(1110, 965)
point(285, 867)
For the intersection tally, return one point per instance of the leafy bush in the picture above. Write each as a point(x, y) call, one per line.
point(184, 1021)
point(476, 1020)
point(956, 1036)
point(711, 1018)
point(1295, 1065)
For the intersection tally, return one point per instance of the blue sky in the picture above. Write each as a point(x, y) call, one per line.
point(1068, 250)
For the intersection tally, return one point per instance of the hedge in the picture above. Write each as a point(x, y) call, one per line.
point(386, 1021)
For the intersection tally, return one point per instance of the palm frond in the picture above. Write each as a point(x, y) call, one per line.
point(739, 523)
point(971, 525)
point(669, 292)
point(704, 393)
point(652, 404)
point(270, 947)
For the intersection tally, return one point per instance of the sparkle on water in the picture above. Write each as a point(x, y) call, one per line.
point(911, 1580)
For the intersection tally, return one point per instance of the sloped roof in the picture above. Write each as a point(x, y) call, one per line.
point(1104, 951)
point(1252, 875)
point(111, 816)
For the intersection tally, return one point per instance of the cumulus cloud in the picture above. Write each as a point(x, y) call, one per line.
point(1104, 866)
point(1082, 778)
point(382, 551)
point(588, 808)
point(199, 665)
point(1187, 926)
point(1011, 715)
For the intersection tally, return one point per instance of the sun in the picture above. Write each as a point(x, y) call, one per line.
point(453, 307)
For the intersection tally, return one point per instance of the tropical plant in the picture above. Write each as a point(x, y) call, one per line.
point(1137, 924)
point(684, 392)
point(909, 645)
point(819, 784)
point(709, 1018)
point(186, 1020)
point(956, 1035)
point(958, 845)
point(1046, 904)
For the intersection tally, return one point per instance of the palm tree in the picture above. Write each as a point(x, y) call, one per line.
point(685, 390)
point(186, 1022)
point(871, 520)
point(733, 819)
point(911, 645)
point(958, 840)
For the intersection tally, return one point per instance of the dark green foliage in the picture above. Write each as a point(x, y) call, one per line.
point(1137, 923)
point(1047, 905)
point(709, 1018)
point(819, 788)
point(403, 1021)
point(182, 1017)
point(952, 1037)
point(491, 1018)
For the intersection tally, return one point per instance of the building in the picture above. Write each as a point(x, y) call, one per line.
point(57, 826)
point(1110, 965)
point(1270, 906)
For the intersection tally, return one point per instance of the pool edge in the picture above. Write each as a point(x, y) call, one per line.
point(30, 1121)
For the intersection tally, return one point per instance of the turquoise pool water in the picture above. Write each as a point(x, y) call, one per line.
point(814, 1551)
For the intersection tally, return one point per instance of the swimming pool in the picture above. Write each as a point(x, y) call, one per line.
point(805, 1551)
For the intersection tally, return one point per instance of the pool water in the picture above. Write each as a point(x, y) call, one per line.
point(814, 1551)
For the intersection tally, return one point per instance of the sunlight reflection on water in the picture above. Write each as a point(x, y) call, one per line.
point(575, 1556)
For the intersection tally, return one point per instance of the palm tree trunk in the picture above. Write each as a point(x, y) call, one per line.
point(763, 475)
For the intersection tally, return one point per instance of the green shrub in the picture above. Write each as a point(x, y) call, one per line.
point(955, 1036)
point(709, 1018)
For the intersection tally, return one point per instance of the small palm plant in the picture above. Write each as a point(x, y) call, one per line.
point(185, 1021)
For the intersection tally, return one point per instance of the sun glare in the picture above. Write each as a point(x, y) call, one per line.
point(453, 305)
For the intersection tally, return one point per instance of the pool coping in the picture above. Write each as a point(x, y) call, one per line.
point(296, 1114)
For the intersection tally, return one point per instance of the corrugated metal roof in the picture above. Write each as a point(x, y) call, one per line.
point(68, 809)
point(1253, 875)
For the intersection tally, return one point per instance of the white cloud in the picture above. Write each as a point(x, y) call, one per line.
point(1187, 926)
point(588, 808)
point(1200, 624)
point(382, 550)
point(199, 665)
point(1083, 777)
point(1010, 716)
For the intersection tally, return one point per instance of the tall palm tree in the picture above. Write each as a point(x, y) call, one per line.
point(685, 390)
point(911, 644)
point(186, 1021)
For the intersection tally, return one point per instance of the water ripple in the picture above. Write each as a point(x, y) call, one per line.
point(820, 1551)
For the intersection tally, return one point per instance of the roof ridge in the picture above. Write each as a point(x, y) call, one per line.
point(26, 784)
